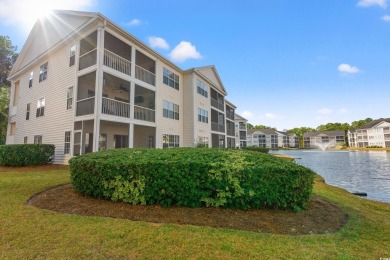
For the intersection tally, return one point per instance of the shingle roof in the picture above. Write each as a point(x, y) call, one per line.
point(374, 123)
point(329, 133)
point(264, 131)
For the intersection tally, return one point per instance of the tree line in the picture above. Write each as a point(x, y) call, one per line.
point(8, 56)
point(299, 131)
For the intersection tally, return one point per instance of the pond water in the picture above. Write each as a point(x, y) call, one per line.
point(355, 171)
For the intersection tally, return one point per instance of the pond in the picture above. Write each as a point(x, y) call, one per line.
point(355, 171)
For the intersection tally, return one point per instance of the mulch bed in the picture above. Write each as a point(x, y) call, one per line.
point(321, 217)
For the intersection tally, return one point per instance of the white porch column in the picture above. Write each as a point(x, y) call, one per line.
point(131, 135)
point(98, 86)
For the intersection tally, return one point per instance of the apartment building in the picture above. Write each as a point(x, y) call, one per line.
point(323, 138)
point(84, 84)
point(241, 131)
point(375, 133)
point(266, 138)
point(287, 140)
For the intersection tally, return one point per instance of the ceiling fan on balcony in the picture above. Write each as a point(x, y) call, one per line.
point(121, 87)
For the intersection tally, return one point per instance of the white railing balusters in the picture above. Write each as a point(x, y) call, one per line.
point(115, 107)
point(116, 62)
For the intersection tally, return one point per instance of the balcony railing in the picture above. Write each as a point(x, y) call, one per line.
point(115, 108)
point(116, 62)
point(87, 59)
point(145, 75)
point(85, 106)
point(143, 113)
point(242, 137)
point(217, 127)
point(242, 127)
point(217, 104)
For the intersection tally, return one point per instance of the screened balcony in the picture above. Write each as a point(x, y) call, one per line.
point(85, 103)
point(116, 96)
point(217, 100)
point(117, 54)
point(145, 68)
point(144, 104)
point(88, 52)
point(217, 121)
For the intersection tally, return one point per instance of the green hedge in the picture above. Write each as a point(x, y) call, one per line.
point(26, 154)
point(256, 149)
point(193, 178)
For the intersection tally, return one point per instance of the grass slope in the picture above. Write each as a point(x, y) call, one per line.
point(29, 232)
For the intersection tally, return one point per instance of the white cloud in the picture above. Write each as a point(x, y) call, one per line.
point(134, 22)
point(270, 115)
point(343, 110)
point(183, 51)
point(247, 115)
point(24, 13)
point(158, 42)
point(367, 3)
point(324, 111)
point(386, 18)
point(346, 68)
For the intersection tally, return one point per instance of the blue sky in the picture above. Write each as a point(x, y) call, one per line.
point(284, 63)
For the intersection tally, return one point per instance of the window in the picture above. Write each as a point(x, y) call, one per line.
point(28, 112)
point(16, 94)
point(41, 107)
point(43, 72)
point(13, 129)
point(203, 115)
point(69, 98)
point(25, 140)
point(72, 55)
point(170, 141)
point(170, 110)
point(202, 142)
point(202, 88)
point(30, 82)
point(37, 139)
point(67, 143)
point(170, 79)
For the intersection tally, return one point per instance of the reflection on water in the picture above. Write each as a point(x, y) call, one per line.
point(363, 171)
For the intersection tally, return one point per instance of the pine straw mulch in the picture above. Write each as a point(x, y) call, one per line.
point(321, 217)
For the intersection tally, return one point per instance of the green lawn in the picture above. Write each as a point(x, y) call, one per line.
point(30, 232)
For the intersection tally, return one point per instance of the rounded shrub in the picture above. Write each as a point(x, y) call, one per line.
point(26, 154)
point(256, 149)
point(193, 178)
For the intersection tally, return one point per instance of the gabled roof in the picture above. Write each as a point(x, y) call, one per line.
point(48, 32)
point(374, 123)
point(264, 131)
point(211, 75)
point(238, 117)
point(324, 133)
point(230, 104)
point(68, 24)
